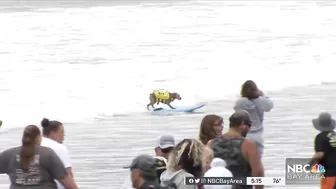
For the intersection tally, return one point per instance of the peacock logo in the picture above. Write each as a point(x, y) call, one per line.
point(318, 169)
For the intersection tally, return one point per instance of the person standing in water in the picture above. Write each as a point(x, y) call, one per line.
point(53, 136)
point(33, 166)
point(325, 149)
point(256, 104)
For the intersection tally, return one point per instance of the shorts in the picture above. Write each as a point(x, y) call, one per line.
point(328, 183)
point(258, 138)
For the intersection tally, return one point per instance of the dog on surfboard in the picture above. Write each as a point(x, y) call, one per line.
point(162, 96)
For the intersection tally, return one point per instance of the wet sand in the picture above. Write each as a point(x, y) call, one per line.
point(99, 149)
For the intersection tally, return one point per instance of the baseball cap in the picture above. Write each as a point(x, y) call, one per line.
point(165, 141)
point(240, 116)
point(143, 162)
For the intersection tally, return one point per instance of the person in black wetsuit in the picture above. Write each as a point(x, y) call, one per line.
point(325, 149)
point(241, 155)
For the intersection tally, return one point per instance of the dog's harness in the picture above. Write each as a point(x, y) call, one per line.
point(161, 95)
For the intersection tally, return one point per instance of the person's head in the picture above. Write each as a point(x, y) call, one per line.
point(249, 90)
point(164, 145)
point(211, 127)
point(218, 169)
point(208, 156)
point(30, 139)
point(53, 130)
point(324, 123)
point(143, 169)
point(240, 122)
point(187, 155)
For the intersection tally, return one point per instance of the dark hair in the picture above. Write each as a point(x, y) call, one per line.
point(187, 161)
point(49, 126)
point(249, 90)
point(207, 131)
point(167, 150)
point(239, 117)
point(28, 148)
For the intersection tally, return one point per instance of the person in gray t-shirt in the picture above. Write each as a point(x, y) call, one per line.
point(32, 165)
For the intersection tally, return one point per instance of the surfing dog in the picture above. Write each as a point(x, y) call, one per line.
point(164, 97)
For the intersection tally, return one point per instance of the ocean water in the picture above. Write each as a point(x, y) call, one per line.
point(93, 64)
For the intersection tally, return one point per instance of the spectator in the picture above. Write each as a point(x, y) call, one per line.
point(255, 103)
point(53, 136)
point(211, 127)
point(325, 149)
point(240, 154)
point(218, 169)
point(33, 166)
point(161, 166)
point(184, 161)
point(143, 172)
point(208, 157)
point(164, 145)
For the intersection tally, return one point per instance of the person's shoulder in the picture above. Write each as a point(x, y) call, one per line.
point(12, 150)
point(61, 147)
point(185, 173)
point(242, 99)
point(45, 149)
point(249, 144)
point(322, 135)
point(57, 146)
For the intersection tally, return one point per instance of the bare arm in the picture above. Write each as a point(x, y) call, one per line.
point(69, 170)
point(68, 182)
point(65, 158)
point(316, 158)
point(57, 170)
point(254, 159)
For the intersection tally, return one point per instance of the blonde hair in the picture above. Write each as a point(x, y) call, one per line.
point(207, 158)
point(195, 153)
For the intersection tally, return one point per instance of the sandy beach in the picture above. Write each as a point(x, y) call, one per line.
point(100, 149)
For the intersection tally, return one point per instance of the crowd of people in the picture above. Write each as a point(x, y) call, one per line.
point(43, 162)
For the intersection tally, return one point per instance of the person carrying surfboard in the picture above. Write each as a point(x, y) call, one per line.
point(162, 96)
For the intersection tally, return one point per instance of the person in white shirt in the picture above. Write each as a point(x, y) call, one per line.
point(53, 136)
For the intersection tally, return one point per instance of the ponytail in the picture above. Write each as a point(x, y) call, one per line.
point(28, 148)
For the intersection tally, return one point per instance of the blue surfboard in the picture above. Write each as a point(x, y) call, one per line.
point(179, 109)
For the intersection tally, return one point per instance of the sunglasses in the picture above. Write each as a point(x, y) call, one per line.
point(247, 123)
point(219, 124)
